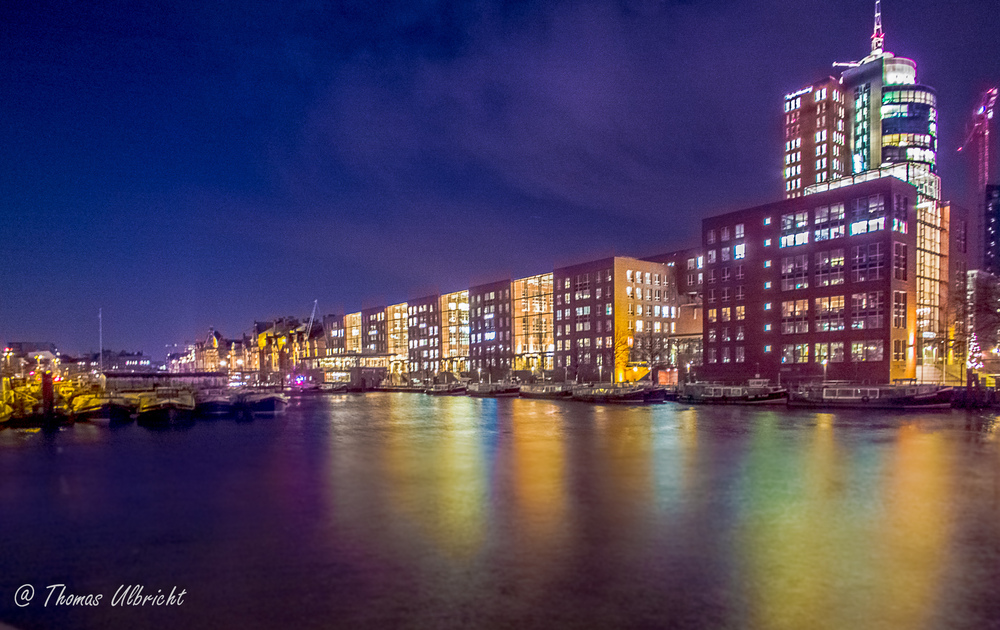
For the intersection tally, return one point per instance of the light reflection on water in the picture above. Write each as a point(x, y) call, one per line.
point(415, 511)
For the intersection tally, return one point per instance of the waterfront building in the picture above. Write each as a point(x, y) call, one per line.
point(613, 319)
point(354, 340)
point(438, 334)
point(875, 120)
point(397, 331)
point(533, 326)
point(454, 309)
point(274, 347)
point(374, 336)
point(688, 278)
point(491, 355)
point(333, 329)
point(813, 287)
point(424, 336)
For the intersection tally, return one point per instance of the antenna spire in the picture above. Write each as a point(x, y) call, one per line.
point(878, 37)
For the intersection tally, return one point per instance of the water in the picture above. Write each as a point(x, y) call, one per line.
point(410, 511)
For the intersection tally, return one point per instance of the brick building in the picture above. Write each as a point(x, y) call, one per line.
point(613, 318)
point(491, 354)
point(813, 286)
point(374, 336)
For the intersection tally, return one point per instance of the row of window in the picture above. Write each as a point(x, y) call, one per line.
point(492, 295)
point(736, 252)
point(872, 350)
point(492, 335)
point(724, 234)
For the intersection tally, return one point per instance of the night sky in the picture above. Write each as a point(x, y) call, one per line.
point(193, 164)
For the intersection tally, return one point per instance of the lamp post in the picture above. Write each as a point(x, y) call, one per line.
point(824, 370)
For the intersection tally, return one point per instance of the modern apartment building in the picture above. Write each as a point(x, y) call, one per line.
point(813, 287)
point(374, 335)
point(534, 333)
point(424, 335)
point(491, 343)
point(397, 331)
point(613, 319)
point(454, 309)
point(353, 339)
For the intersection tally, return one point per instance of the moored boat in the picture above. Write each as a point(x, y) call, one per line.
point(214, 403)
point(846, 395)
point(262, 402)
point(100, 407)
point(446, 389)
point(551, 391)
point(627, 393)
point(493, 390)
point(758, 391)
point(165, 405)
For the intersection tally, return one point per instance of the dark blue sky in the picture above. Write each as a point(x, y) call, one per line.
point(193, 164)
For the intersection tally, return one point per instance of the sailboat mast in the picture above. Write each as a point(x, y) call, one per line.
point(100, 338)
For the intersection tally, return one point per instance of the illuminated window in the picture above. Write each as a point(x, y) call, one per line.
point(739, 251)
point(829, 313)
point(864, 351)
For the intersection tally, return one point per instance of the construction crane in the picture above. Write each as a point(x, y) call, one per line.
point(981, 131)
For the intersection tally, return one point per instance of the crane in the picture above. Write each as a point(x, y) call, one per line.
point(981, 131)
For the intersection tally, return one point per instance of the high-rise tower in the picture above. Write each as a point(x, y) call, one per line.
point(874, 116)
point(875, 121)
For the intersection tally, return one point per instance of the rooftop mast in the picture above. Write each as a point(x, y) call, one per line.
point(878, 37)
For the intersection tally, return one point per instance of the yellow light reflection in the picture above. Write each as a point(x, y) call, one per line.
point(435, 476)
point(825, 553)
point(538, 463)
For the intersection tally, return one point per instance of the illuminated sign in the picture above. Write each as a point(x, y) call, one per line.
point(807, 90)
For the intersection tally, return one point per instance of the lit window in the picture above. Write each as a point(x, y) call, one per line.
point(767, 285)
point(767, 264)
point(739, 251)
point(767, 306)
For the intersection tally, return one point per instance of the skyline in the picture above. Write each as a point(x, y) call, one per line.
point(269, 151)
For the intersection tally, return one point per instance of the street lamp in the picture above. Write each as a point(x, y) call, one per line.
point(824, 370)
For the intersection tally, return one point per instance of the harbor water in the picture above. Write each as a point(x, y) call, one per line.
point(410, 511)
